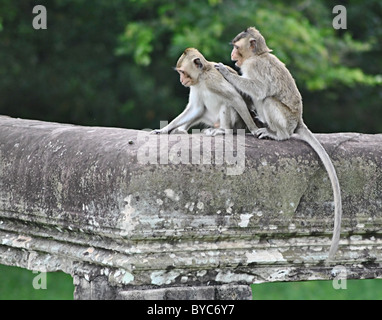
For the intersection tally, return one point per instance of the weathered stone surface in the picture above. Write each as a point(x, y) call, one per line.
point(84, 200)
point(223, 292)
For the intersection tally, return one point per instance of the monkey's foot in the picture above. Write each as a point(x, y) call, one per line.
point(213, 131)
point(207, 131)
point(254, 133)
point(264, 133)
point(179, 131)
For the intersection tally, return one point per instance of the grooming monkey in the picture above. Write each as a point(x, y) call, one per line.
point(278, 104)
point(212, 100)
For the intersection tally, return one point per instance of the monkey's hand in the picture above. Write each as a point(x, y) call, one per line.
point(165, 131)
point(159, 131)
point(222, 69)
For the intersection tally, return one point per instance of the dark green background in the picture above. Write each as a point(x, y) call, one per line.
point(109, 63)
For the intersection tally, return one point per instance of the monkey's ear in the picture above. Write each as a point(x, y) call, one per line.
point(198, 63)
point(252, 43)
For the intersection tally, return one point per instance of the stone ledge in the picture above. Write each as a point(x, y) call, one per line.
point(100, 203)
point(224, 292)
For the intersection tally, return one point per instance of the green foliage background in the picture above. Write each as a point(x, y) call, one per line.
point(109, 62)
point(16, 283)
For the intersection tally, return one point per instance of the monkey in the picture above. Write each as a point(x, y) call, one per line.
point(278, 104)
point(213, 101)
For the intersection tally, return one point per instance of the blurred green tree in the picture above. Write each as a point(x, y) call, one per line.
point(109, 62)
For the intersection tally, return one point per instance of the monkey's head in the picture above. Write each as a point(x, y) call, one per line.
point(246, 44)
point(190, 65)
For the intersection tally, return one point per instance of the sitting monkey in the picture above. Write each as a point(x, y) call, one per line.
point(213, 101)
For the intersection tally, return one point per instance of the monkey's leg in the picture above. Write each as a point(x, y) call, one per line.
point(241, 108)
point(225, 122)
point(189, 116)
point(280, 124)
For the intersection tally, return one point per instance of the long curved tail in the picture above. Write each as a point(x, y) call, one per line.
point(303, 133)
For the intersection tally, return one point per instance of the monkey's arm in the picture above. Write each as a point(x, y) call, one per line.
point(252, 87)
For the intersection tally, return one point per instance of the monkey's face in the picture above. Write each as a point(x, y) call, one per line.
point(247, 44)
point(185, 79)
point(190, 65)
point(238, 51)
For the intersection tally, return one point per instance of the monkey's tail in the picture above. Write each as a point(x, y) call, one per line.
point(303, 133)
